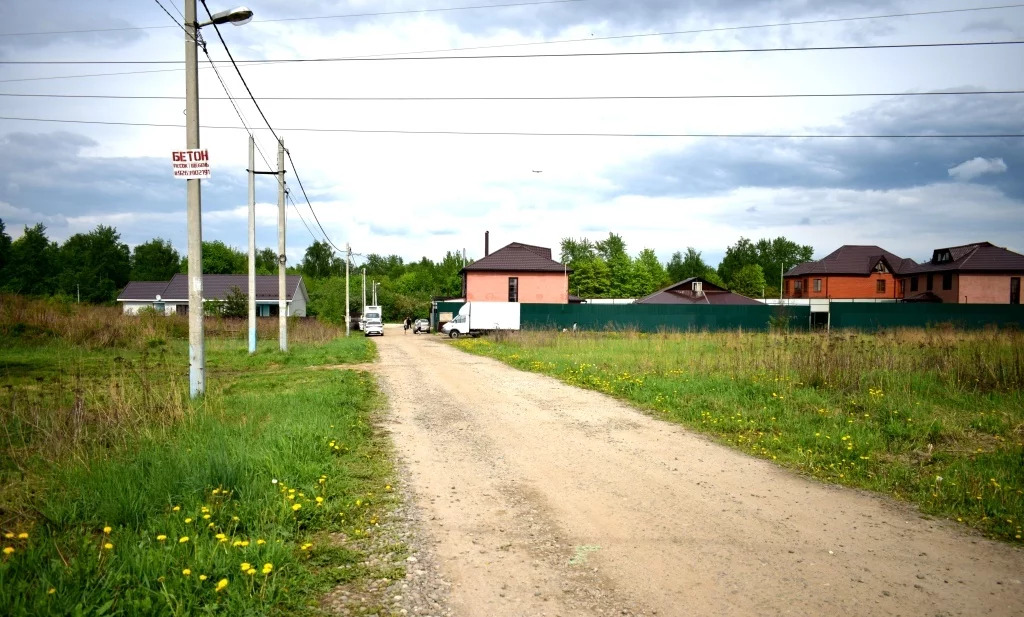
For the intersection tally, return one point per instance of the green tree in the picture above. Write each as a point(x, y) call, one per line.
point(576, 251)
point(743, 253)
point(591, 279)
point(778, 254)
point(321, 262)
point(648, 274)
point(620, 267)
point(711, 275)
point(5, 248)
point(266, 261)
point(748, 281)
point(219, 258)
point(683, 267)
point(155, 260)
point(94, 265)
point(236, 303)
point(31, 263)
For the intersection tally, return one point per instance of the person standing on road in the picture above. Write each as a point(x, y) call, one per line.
point(408, 322)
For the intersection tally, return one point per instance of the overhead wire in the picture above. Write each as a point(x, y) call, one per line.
point(270, 127)
point(625, 97)
point(551, 134)
point(580, 54)
point(348, 15)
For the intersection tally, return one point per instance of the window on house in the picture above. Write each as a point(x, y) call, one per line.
point(798, 286)
point(1015, 290)
point(947, 281)
point(929, 284)
point(513, 289)
point(880, 286)
point(785, 286)
point(817, 284)
point(903, 286)
point(913, 283)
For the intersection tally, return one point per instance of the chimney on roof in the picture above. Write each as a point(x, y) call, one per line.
point(487, 243)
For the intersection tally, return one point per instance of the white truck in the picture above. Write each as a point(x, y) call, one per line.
point(373, 321)
point(480, 317)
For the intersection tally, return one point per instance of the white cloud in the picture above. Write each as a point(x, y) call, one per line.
point(978, 166)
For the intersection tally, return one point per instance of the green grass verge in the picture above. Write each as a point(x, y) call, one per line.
point(226, 509)
point(935, 419)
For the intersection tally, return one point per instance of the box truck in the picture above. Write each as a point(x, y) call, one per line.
point(373, 321)
point(480, 317)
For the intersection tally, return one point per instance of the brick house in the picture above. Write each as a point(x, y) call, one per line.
point(516, 273)
point(979, 273)
point(851, 272)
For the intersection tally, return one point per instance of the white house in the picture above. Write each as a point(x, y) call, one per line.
point(170, 297)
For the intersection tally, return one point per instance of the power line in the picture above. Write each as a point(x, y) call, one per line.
point(626, 97)
point(303, 189)
point(304, 224)
point(581, 54)
point(542, 134)
point(348, 15)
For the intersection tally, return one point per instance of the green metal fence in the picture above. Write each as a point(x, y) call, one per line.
point(870, 316)
point(660, 317)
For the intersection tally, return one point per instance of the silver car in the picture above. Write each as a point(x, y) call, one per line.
point(421, 325)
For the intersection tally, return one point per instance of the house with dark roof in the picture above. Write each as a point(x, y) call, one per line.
point(696, 290)
point(851, 272)
point(979, 273)
point(516, 273)
point(171, 297)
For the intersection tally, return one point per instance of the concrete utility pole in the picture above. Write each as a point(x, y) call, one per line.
point(364, 293)
point(348, 317)
point(196, 349)
point(252, 245)
point(782, 281)
point(282, 305)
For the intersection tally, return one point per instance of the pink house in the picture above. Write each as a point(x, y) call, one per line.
point(979, 273)
point(517, 273)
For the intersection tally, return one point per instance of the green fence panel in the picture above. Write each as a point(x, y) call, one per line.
point(871, 316)
point(658, 317)
point(443, 307)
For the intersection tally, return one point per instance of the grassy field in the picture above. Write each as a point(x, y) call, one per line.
point(933, 417)
point(119, 495)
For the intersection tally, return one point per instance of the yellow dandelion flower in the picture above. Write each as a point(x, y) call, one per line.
point(206, 517)
point(23, 536)
point(204, 509)
point(221, 584)
point(107, 530)
point(251, 571)
point(235, 518)
point(220, 536)
point(236, 543)
point(182, 539)
point(307, 546)
point(186, 572)
point(244, 543)
point(267, 567)
point(8, 550)
point(108, 546)
point(319, 499)
point(188, 520)
point(210, 526)
point(176, 508)
point(296, 507)
point(203, 577)
point(9, 535)
point(261, 541)
point(245, 566)
point(51, 591)
point(161, 538)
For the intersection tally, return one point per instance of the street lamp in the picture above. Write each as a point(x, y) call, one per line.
point(196, 349)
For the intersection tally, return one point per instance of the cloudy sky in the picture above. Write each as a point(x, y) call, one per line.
point(692, 159)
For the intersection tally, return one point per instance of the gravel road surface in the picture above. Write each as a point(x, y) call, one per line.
point(528, 497)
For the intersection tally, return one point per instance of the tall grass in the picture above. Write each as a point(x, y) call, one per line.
point(932, 416)
point(119, 495)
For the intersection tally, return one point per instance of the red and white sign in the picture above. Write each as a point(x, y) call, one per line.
point(191, 164)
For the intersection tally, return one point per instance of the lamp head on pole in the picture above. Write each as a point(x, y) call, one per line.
point(236, 16)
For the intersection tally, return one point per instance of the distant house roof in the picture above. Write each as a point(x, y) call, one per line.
point(683, 293)
point(518, 257)
point(215, 287)
point(143, 291)
point(977, 257)
point(853, 259)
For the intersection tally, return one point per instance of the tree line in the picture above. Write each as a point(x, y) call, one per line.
point(604, 269)
point(95, 266)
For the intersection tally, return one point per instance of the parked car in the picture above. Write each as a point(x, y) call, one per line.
point(421, 325)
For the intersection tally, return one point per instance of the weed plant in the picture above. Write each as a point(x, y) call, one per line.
point(935, 417)
point(119, 495)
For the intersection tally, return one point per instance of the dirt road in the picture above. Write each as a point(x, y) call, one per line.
point(543, 499)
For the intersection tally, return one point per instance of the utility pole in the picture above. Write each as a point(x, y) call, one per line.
point(196, 344)
point(252, 245)
point(282, 305)
point(348, 317)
